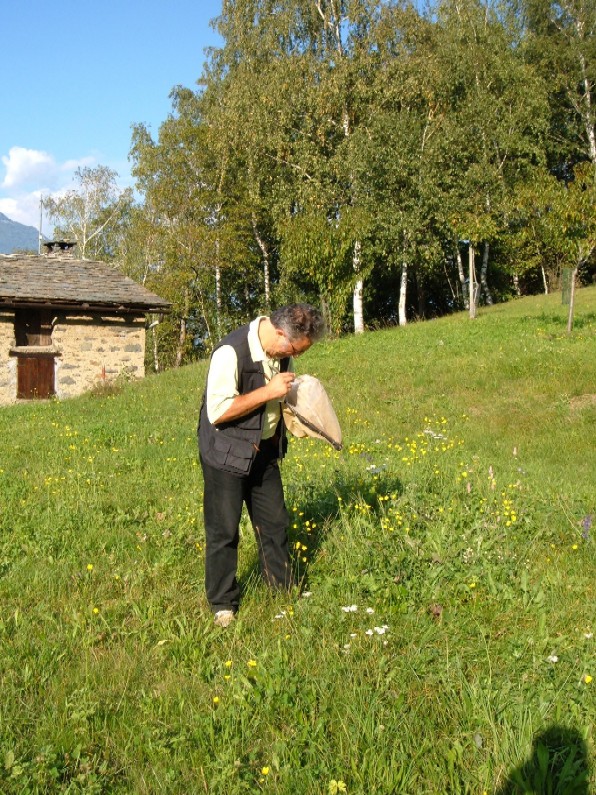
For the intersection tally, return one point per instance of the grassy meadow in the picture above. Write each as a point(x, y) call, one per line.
point(443, 639)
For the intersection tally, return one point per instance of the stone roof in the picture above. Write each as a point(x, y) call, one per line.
point(64, 282)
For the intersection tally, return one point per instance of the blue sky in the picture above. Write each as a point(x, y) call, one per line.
point(77, 75)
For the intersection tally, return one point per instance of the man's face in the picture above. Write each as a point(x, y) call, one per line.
point(283, 347)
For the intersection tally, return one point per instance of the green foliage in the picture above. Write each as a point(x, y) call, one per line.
point(93, 214)
point(553, 224)
point(340, 144)
point(461, 511)
point(559, 42)
point(319, 251)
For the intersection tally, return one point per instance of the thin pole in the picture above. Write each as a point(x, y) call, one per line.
point(40, 218)
point(472, 281)
point(571, 301)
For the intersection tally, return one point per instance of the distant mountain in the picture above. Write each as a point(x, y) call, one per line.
point(17, 237)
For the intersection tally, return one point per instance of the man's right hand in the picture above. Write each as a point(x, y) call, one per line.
point(276, 389)
point(280, 385)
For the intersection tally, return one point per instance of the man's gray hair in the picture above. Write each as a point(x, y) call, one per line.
point(299, 321)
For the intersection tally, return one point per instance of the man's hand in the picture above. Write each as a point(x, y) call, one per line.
point(276, 389)
point(280, 385)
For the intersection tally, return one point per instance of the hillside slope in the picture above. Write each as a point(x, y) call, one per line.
point(443, 640)
point(17, 237)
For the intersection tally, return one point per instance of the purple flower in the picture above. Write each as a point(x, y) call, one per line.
point(587, 524)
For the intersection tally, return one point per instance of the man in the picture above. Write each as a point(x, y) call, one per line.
point(241, 438)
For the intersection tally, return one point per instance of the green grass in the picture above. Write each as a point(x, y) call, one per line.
point(456, 512)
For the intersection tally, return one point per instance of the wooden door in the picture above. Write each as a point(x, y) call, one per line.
point(35, 377)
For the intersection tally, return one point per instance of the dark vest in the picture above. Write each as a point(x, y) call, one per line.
point(232, 446)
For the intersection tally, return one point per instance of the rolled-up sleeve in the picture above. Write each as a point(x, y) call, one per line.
point(222, 382)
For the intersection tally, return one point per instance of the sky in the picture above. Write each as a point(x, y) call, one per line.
point(77, 76)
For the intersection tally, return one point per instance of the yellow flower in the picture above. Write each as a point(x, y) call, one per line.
point(264, 771)
point(587, 679)
point(228, 663)
point(252, 663)
point(216, 699)
point(90, 567)
point(95, 610)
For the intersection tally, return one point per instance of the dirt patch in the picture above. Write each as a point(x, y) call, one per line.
point(582, 402)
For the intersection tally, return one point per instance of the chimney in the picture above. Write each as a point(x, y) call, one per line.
point(59, 248)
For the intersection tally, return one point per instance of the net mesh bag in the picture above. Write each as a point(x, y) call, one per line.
point(308, 411)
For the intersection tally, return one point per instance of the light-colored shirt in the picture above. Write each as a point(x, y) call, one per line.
point(222, 381)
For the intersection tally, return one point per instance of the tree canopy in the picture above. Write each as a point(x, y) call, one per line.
point(353, 153)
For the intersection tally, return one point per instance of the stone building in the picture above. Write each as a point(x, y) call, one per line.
point(67, 325)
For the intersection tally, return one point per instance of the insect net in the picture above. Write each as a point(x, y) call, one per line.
point(308, 411)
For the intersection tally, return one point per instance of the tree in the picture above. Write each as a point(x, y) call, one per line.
point(578, 222)
point(394, 150)
point(495, 128)
point(91, 214)
point(555, 224)
point(295, 73)
point(560, 40)
point(338, 147)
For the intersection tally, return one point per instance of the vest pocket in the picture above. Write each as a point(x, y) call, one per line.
point(233, 453)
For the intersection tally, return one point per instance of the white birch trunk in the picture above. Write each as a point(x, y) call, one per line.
point(217, 290)
point(217, 281)
point(403, 284)
point(155, 350)
point(181, 343)
point(571, 301)
point(483, 270)
point(218, 300)
point(358, 290)
point(544, 280)
point(462, 279)
point(357, 303)
point(588, 113)
point(182, 335)
point(266, 282)
point(516, 284)
point(266, 260)
point(218, 270)
point(472, 281)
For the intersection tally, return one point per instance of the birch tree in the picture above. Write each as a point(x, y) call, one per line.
point(180, 177)
point(90, 213)
point(496, 124)
point(394, 152)
point(291, 69)
point(560, 40)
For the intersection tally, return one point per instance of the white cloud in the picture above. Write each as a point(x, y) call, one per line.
point(24, 166)
point(31, 174)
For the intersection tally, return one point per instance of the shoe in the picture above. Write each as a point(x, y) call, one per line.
point(223, 618)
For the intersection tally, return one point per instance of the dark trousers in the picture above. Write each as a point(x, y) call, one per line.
point(224, 495)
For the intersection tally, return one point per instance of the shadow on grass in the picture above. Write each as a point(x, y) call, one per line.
point(557, 765)
point(320, 505)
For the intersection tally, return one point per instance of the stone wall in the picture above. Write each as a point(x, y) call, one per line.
point(94, 349)
point(8, 364)
point(91, 349)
